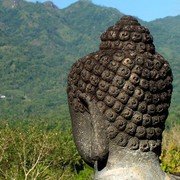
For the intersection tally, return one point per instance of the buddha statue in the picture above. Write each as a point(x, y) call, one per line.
point(118, 99)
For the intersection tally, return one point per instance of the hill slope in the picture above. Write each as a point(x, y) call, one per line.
point(39, 43)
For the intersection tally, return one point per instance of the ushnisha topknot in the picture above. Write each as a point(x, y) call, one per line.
point(127, 34)
point(131, 84)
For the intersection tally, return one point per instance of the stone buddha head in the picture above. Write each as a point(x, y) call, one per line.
point(119, 95)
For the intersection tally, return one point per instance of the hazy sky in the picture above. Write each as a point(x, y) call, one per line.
point(144, 9)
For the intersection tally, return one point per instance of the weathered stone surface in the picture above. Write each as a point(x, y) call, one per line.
point(119, 97)
point(132, 165)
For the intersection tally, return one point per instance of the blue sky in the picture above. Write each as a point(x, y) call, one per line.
point(144, 9)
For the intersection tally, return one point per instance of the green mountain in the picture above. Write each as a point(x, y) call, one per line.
point(39, 43)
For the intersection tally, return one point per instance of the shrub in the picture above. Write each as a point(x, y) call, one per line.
point(170, 156)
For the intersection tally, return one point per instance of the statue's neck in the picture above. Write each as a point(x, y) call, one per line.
point(123, 157)
point(125, 164)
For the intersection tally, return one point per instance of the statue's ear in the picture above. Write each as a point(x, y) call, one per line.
point(90, 104)
point(86, 101)
point(90, 131)
point(82, 132)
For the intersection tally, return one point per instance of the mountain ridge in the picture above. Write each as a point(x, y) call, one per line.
point(38, 45)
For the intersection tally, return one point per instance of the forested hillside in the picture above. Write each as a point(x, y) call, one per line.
point(39, 43)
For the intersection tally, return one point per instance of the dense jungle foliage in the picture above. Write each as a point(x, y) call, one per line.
point(38, 45)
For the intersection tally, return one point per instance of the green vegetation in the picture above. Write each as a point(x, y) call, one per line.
point(36, 150)
point(170, 155)
point(38, 45)
point(39, 149)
